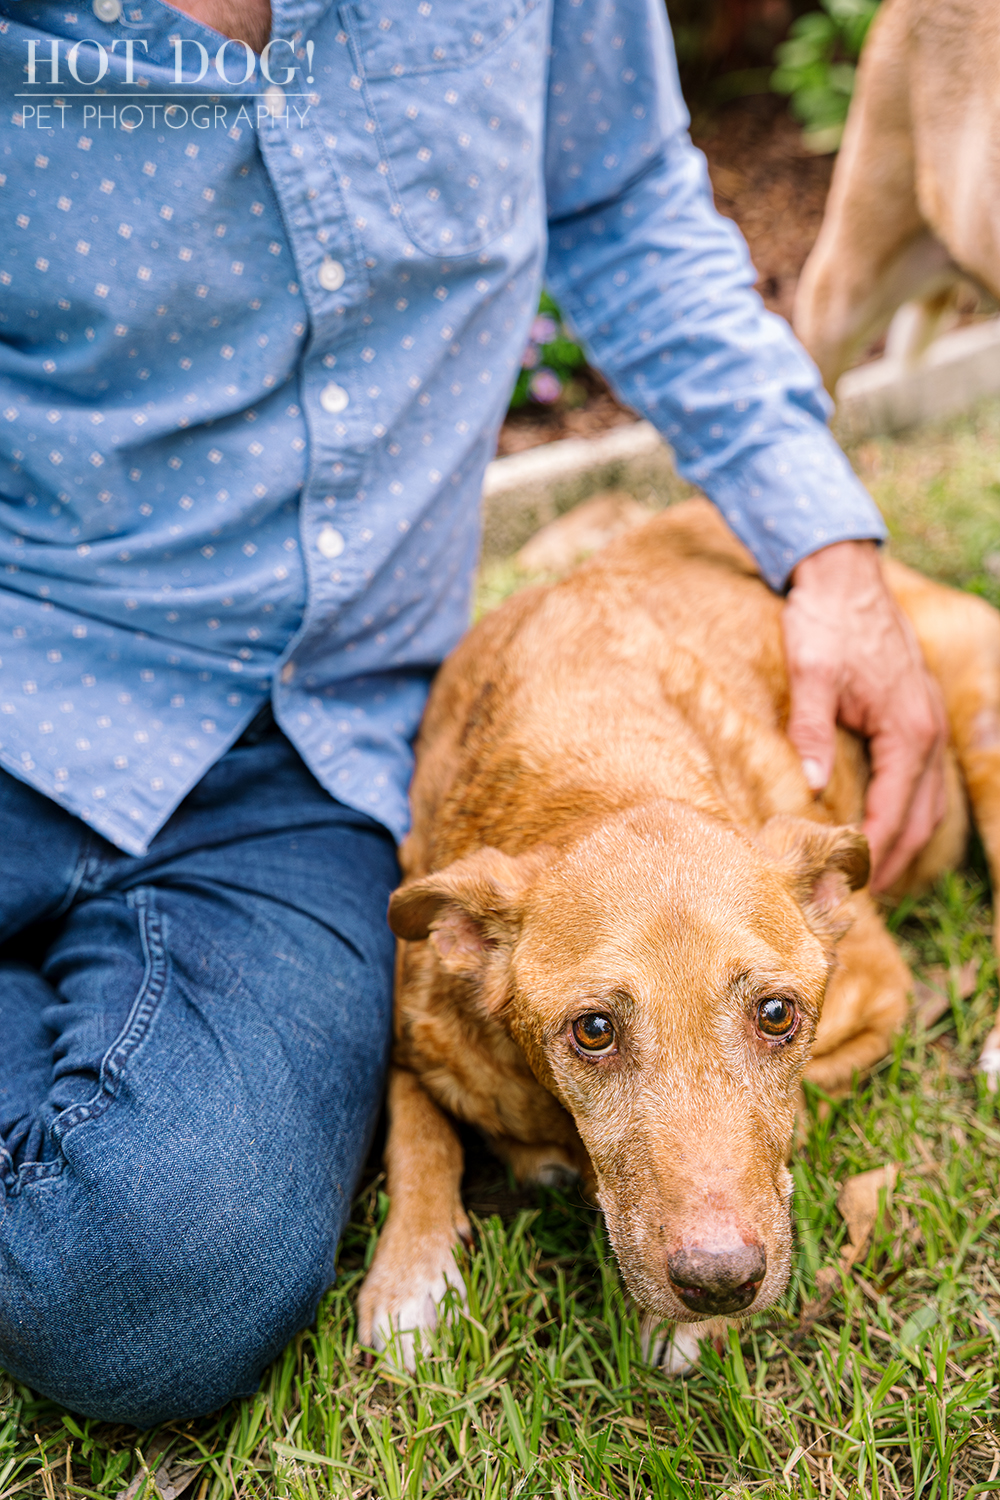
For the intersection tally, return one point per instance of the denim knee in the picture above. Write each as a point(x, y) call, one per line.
point(141, 1327)
point(219, 1038)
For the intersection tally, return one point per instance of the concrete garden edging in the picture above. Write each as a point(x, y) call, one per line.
point(950, 376)
point(524, 491)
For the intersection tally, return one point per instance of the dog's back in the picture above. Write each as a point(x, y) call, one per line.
point(655, 670)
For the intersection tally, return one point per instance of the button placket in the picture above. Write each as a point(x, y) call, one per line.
point(324, 543)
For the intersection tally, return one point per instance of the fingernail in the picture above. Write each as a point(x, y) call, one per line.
point(814, 775)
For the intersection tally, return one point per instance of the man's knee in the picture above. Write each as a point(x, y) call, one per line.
point(140, 1320)
point(182, 1220)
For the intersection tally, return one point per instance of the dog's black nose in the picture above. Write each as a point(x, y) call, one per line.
point(713, 1282)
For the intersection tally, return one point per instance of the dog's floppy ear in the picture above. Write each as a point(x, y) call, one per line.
point(826, 864)
point(470, 909)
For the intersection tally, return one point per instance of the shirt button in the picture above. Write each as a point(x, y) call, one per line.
point(331, 273)
point(330, 542)
point(274, 97)
point(288, 671)
point(333, 398)
point(107, 10)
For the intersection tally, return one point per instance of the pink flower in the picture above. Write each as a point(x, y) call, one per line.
point(529, 359)
point(545, 386)
point(543, 329)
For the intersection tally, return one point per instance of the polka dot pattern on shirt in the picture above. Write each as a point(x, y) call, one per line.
point(252, 365)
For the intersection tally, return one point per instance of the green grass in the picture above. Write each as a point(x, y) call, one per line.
point(939, 490)
point(937, 486)
point(881, 1381)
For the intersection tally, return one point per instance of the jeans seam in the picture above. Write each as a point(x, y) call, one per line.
point(144, 1007)
point(31, 1172)
point(80, 874)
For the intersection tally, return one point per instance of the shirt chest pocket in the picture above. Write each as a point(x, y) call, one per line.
point(454, 92)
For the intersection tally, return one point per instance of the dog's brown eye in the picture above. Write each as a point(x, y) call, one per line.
point(594, 1032)
point(775, 1016)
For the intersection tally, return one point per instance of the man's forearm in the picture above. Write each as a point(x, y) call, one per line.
point(659, 287)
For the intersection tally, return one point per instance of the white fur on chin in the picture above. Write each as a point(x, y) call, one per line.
point(676, 1347)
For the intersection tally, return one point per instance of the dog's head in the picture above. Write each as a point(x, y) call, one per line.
point(664, 976)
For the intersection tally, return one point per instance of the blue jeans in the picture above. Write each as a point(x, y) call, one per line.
point(192, 1052)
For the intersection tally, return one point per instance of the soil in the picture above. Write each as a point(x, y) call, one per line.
point(774, 189)
point(530, 426)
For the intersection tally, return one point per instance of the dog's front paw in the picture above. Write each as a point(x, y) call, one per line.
point(401, 1295)
point(676, 1347)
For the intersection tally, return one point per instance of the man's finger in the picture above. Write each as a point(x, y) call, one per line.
point(889, 863)
point(853, 658)
point(905, 803)
point(812, 721)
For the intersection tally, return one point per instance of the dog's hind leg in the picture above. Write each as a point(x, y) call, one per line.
point(960, 638)
point(875, 250)
point(865, 1003)
point(917, 324)
point(414, 1264)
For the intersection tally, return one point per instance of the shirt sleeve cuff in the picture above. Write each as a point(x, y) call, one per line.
point(791, 498)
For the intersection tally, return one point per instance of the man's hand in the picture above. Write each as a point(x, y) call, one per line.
point(853, 659)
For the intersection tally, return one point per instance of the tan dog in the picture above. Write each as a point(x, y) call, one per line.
point(629, 930)
point(915, 197)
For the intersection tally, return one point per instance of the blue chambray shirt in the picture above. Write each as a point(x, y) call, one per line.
point(257, 338)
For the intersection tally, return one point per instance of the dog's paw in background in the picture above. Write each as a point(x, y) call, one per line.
point(989, 1060)
point(402, 1292)
point(540, 1165)
point(676, 1347)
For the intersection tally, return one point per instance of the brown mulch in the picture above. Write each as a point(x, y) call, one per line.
point(530, 426)
point(773, 188)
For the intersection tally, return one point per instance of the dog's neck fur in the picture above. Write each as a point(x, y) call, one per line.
point(243, 20)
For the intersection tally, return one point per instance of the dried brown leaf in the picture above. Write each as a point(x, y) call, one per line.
point(932, 995)
point(858, 1204)
point(966, 977)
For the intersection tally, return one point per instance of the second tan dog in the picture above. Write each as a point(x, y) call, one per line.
point(628, 930)
point(914, 202)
